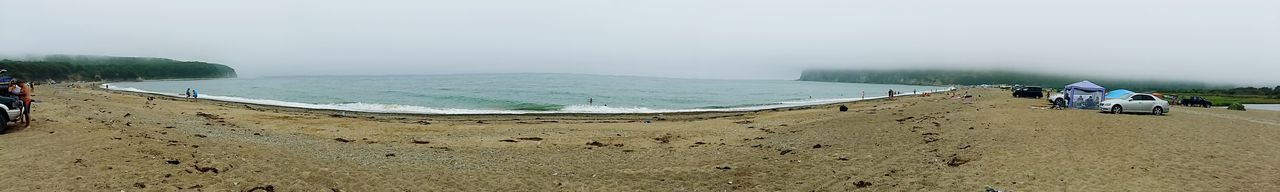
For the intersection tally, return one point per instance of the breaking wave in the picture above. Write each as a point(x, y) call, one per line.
point(523, 108)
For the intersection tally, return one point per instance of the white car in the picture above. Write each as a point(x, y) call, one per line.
point(1136, 103)
point(1056, 97)
point(12, 109)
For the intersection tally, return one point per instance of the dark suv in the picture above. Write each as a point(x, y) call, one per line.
point(1195, 101)
point(1030, 92)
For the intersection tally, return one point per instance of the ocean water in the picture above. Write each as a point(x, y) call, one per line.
point(1270, 107)
point(520, 93)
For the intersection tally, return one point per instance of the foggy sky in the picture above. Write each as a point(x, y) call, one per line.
point(1229, 41)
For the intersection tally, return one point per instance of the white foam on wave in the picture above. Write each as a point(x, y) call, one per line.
point(410, 109)
point(604, 109)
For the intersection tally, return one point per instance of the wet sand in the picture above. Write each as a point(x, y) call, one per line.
point(87, 139)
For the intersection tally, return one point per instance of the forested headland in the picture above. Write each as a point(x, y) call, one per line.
point(979, 77)
point(106, 68)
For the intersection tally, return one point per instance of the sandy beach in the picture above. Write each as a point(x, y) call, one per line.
point(88, 139)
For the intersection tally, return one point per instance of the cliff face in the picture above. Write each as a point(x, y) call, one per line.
point(967, 77)
point(104, 68)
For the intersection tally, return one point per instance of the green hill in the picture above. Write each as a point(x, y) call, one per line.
point(104, 68)
point(976, 77)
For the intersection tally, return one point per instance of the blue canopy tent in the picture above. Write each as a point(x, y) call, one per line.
point(1118, 94)
point(1083, 95)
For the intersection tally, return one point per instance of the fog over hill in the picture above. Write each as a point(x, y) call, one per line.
point(1225, 41)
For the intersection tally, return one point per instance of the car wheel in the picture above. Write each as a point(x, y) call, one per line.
point(1157, 111)
point(4, 122)
point(1117, 109)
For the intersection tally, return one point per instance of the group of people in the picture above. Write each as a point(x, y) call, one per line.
point(191, 93)
point(17, 89)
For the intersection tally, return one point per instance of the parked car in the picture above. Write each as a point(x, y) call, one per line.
point(1196, 101)
point(12, 109)
point(1137, 102)
point(1057, 97)
point(1031, 92)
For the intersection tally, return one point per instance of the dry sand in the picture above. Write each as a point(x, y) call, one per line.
point(86, 139)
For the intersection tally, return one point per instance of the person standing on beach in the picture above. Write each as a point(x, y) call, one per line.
point(591, 101)
point(20, 89)
point(188, 94)
point(194, 94)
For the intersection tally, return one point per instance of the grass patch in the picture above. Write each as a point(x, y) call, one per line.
point(1226, 99)
point(1236, 106)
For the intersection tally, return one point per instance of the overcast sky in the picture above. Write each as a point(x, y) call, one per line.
point(1234, 41)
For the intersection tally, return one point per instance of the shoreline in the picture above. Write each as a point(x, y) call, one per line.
point(681, 112)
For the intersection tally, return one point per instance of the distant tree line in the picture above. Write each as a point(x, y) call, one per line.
point(991, 77)
point(102, 68)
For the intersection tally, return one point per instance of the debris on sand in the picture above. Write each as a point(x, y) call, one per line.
point(530, 138)
point(724, 167)
point(390, 155)
point(989, 189)
point(843, 108)
point(205, 169)
point(665, 138)
point(508, 140)
point(784, 151)
point(597, 144)
point(344, 140)
point(415, 141)
point(172, 161)
point(208, 116)
point(861, 184)
point(905, 119)
point(817, 146)
point(128, 114)
point(139, 185)
point(201, 136)
point(928, 139)
point(267, 188)
point(956, 161)
point(743, 122)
